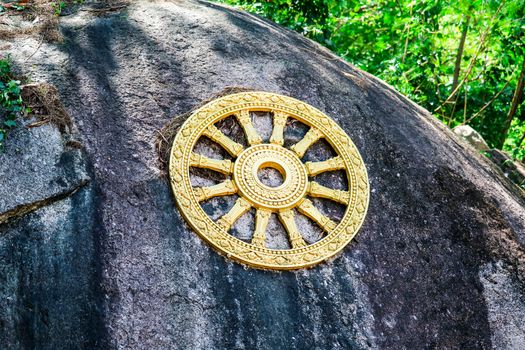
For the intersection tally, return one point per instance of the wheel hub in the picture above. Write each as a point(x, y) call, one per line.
point(284, 196)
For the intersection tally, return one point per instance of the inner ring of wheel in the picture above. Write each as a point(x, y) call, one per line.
point(288, 194)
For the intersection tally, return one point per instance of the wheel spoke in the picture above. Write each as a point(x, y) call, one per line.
point(308, 209)
point(314, 168)
point(317, 190)
point(240, 207)
point(224, 166)
point(246, 122)
point(262, 217)
point(309, 139)
point(279, 121)
point(224, 188)
point(229, 145)
point(287, 217)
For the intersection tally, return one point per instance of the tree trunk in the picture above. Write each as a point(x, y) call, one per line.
point(459, 56)
point(516, 100)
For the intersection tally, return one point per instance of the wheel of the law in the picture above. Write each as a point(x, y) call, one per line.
point(295, 195)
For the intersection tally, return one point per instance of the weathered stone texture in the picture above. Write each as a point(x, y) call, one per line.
point(37, 168)
point(48, 268)
point(416, 277)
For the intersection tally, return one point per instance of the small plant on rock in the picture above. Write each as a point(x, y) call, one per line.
point(58, 7)
point(11, 103)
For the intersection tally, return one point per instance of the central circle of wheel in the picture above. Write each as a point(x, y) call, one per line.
point(271, 174)
point(246, 176)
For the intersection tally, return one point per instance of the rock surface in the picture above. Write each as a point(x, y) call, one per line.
point(472, 137)
point(439, 262)
point(48, 297)
point(37, 168)
point(513, 170)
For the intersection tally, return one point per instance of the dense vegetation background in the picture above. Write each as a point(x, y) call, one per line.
point(462, 60)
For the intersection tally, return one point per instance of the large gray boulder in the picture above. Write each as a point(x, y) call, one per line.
point(439, 262)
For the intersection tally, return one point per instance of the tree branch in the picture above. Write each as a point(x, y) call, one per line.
point(473, 60)
point(516, 101)
point(408, 36)
point(459, 56)
point(488, 103)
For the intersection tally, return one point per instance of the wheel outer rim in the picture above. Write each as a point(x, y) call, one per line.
point(235, 248)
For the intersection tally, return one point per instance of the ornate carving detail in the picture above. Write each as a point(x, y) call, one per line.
point(222, 189)
point(314, 168)
point(279, 121)
point(241, 206)
point(288, 219)
point(229, 145)
point(224, 166)
point(307, 208)
point(309, 139)
point(262, 216)
point(316, 190)
point(252, 193)
point(246, 122)
point(266, 155)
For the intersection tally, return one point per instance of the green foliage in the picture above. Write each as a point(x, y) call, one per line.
point(58, 7)
point(10, 100)
point(515, 136)
point(413, 45)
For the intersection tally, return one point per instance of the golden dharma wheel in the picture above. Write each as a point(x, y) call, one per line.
point(286, 200)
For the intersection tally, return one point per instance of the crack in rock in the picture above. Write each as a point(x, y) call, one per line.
point(24, 209)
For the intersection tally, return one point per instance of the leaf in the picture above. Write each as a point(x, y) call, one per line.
point(10, 123)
